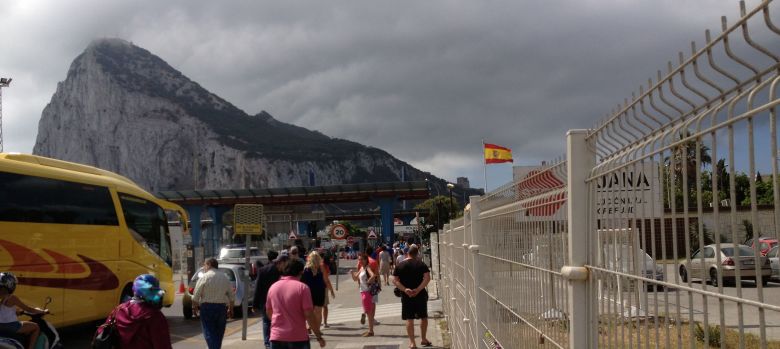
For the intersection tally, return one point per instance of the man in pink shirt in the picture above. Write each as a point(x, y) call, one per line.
point(289, 306)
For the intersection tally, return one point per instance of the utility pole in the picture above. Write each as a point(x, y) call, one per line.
point(4, 82)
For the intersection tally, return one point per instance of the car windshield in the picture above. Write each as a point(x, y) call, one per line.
point(229, 272)
point(743, 251)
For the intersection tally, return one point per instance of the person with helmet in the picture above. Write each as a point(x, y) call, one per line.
point(139, 321)
point(9, 322)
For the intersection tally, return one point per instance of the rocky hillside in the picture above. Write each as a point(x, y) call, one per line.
point(123, 109)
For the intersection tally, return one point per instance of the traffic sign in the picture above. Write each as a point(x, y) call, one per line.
point(292, 235)
point(248, 219)
point(339, 232)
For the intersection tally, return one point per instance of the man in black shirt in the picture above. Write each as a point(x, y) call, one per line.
point(266, 277)
point(411, 276)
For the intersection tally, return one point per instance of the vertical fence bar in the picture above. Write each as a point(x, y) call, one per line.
point(476, 233)
point(580, 160)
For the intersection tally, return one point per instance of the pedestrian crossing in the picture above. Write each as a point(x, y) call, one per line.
point(342, 315)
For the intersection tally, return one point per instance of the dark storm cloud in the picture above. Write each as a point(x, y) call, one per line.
point(424, 80)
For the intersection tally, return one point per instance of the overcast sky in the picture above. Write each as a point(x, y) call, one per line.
point(423, 80)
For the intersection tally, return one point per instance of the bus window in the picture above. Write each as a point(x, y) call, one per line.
point(43, 200)
point(148, 224)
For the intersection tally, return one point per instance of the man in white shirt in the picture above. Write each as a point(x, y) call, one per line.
point(213, 297)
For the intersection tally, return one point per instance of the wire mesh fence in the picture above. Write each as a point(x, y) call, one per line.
point(659, 230)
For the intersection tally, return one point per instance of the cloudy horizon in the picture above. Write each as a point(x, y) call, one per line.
point(425, 81)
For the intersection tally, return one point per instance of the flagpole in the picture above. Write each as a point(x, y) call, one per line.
point(484, 163)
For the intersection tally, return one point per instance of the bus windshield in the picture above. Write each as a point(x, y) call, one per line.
point(148, 224)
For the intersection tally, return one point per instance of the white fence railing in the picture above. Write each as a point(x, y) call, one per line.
point(640, 238)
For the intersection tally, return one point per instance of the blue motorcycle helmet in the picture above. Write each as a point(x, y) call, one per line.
point(146, 287)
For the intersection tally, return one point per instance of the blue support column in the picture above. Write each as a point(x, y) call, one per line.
point(386, 205)
point(194, 212)
point(216, 212)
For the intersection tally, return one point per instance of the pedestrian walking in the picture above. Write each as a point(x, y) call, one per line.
point(326, 268)
point(401, 257)
point(213, 298)
point(139, 322)
point(411, 276)
point(295, 252)
point(365, 276)
point(385, 261)
point(290, 307)
point(266, 277)
point(374, 265)
point(314, 278)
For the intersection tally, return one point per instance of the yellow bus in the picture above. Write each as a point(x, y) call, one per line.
point(80, 235)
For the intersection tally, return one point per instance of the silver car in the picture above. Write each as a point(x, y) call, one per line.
point(234, 273)
point(704, 264)
point(774, 261)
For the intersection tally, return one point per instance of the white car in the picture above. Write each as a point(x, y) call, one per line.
point(774, 261)
point(234, 273)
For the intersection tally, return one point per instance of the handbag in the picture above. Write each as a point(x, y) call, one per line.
point(397, 292)
point(107, 336)
point(374, 288)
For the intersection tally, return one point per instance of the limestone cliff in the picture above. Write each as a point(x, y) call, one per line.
point(124, 109)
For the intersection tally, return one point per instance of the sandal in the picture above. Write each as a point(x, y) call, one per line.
point(368, 334)
point(426, 343)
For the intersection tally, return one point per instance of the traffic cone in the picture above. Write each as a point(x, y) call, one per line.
point(181, 287)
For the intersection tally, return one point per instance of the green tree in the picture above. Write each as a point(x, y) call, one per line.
point(439, 207)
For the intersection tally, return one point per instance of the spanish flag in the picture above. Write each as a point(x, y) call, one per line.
point(496, 154)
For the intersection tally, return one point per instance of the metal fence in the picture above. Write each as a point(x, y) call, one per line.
point(640, 237)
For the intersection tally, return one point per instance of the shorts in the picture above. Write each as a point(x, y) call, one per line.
point(368, 301)
point(414, 308)
point(10, 327)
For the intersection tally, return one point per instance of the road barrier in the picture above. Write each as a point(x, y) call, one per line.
point(625, 242)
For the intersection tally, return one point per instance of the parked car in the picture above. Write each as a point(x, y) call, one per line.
point(704, 264)
point(774, 262)
point(764, 244)
point(233, 272)
point(236, 254)
point(619, 257)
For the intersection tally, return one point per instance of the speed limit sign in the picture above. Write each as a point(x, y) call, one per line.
point(339, 232)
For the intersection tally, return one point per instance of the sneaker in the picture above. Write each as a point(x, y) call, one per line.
point(376, 322)
point(363, 319)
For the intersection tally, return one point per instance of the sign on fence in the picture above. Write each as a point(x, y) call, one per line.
point(632, 191)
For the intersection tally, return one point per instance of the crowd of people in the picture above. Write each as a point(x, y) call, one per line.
point(292, 293)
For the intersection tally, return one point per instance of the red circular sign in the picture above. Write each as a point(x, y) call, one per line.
point(339, 232)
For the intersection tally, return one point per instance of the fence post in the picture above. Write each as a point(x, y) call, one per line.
point(476, 232)
point(580, 161)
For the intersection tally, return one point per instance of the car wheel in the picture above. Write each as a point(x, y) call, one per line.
point(714, 277)
point(186, 307)
point(683, 274)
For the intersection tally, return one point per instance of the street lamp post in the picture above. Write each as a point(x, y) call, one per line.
point(4, 82)
point(452, 211)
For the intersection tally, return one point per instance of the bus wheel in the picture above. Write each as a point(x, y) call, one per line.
point(127, 293)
